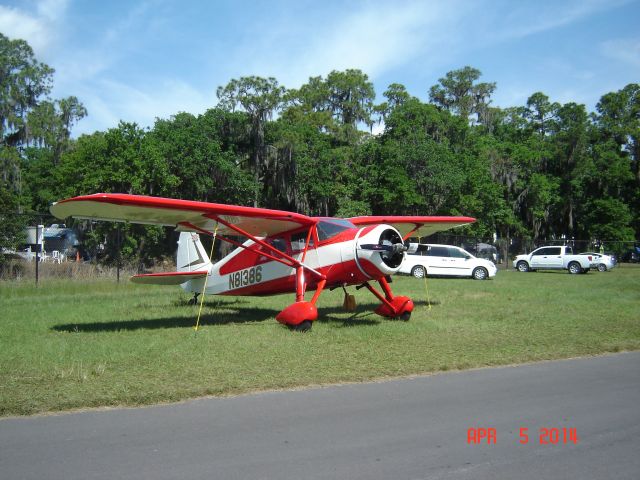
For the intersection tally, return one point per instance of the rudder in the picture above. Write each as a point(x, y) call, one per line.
point(191, 253)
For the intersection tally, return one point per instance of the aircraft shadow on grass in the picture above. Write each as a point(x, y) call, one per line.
point(224, 312)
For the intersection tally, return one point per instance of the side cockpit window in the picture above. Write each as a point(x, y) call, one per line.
point(278, 243)
point(330, 228)
point(299, 240)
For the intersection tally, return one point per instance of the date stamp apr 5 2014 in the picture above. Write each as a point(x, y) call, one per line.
point(541, 436)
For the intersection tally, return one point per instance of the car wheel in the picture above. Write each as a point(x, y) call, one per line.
point(522, 266)
point(480, 273)
point(602, 267)
point(418, 271)
point(574, 267)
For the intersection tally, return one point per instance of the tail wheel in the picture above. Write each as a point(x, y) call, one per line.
point(418, 271)
point(302, 326)
point(480, 273)
point(522, 266)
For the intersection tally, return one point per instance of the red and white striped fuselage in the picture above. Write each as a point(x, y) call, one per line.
point(339, 259)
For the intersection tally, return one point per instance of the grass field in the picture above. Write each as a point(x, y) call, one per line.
point(70, 344)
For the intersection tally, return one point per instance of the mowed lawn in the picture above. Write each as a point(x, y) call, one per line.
point(72, 344)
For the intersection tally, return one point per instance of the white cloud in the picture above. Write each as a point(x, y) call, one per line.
point(51, 10)
point(374, 38)
point(38, 26)
point(414, 38)
point(529, 19)
point(117, 101)
point(17, 24)
point(378, 38)
point(625, 50)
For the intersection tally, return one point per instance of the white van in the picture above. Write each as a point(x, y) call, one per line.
point(445, 260)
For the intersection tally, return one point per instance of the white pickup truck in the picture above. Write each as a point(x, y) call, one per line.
point(553, 258)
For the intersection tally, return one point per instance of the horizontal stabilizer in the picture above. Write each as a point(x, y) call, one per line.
point(168, 278)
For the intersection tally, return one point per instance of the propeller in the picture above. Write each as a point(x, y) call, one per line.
point(391, 248)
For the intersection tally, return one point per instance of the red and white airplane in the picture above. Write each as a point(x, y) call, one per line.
point(285, 251)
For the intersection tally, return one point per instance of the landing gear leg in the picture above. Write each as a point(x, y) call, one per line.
point(301, 315)
point(392, 306)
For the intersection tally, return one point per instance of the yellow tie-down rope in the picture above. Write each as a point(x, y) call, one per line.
point(426, 286)
point(213, 243)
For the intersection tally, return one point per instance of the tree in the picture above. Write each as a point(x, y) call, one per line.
point(202, 155)
point(458, 93)
point(27, 119)
point(608, 219)
point(260, 98)
point(120, 160)
point(541, 170)
point(346, 96)
point(618, 146)
point(396, 95)
point(50, 123)
point(619, 118)
point(420, 160)
point(351, 97)
point(303, 173)
point(12, 225)
point(571, 151)
point(23, 81)
point(541, 113)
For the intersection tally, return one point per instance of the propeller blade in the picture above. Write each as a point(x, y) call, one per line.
point(376, 247)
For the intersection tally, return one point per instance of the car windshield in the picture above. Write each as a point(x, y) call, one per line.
point(330, 228)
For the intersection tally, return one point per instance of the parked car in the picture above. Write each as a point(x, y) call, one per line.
point(483, 250)
point(631, 256)
point(601, 261)
point(445, 260)
point(553, 258)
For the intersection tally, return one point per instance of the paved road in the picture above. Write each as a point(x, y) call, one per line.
point(403, 429)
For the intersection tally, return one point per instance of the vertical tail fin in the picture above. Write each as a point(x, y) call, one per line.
point(191, 254)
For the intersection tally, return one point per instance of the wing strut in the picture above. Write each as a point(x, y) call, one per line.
point(412, 231)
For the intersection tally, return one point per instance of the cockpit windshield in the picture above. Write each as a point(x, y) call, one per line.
point(330, 228)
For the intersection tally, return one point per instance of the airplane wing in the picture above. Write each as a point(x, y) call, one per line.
point(415, 226)
point(119, 207)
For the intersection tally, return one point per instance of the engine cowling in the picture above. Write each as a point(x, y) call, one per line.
point(379, 251)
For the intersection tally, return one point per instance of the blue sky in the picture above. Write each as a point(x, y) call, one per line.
point(138, 60)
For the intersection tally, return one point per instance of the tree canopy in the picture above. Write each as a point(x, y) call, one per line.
point(541, 170)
